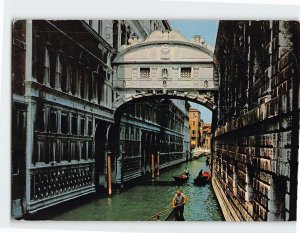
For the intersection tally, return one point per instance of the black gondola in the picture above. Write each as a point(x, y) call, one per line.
point(203, 179)
point(171, 216)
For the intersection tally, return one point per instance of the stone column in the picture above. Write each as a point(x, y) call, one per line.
point(31, 109)
point(46, 80)
point(69, 75)
point(58, 69)
point(77, 80)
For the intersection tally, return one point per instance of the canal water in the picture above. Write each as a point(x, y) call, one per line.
point(145, 199)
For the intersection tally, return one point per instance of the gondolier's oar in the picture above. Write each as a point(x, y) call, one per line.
point(163, 211)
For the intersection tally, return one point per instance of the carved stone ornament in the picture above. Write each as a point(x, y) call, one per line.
point(209, 95)
point(164, 72)
point(165, 52)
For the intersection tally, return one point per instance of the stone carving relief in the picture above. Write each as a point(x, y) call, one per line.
point(197, 39)
point(165, 35)
point(165, 52)
point(134, 72)
point(164, 72)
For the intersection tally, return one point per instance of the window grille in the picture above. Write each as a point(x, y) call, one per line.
point(145, 73)
point(185, 73)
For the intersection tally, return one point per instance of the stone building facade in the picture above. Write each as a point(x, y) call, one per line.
point(256, 138)
point(195, 123)
point(62, 107)
point(205, 130)
point(152, 128)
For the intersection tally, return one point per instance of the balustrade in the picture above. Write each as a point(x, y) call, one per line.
point(131, 164)
point(47, 182)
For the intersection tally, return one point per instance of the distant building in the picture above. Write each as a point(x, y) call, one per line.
point(205, 135)
point(194, 121)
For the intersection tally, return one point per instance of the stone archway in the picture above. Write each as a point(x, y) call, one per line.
point(165, 65)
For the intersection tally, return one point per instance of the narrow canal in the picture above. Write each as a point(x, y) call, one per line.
point(143, 200)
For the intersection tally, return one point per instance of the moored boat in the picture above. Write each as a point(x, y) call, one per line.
point(202, 179)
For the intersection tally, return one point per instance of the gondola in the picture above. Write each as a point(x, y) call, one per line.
point(181, 178)
point(171, 216)
point(203, 179)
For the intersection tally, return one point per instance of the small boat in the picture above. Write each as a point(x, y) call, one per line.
point(171, 216)
point(203, 179)
point(181, 178)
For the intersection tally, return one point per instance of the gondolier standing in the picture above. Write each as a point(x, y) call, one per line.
point(178, 203)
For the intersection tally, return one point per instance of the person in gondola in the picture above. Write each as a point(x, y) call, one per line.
point(178, 202)
point(207, 161)
point(200, 173)
point(186, 171)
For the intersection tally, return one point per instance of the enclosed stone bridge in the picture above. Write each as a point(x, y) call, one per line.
point(165, 65)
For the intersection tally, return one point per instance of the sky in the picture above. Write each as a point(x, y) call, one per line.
point(208, 30)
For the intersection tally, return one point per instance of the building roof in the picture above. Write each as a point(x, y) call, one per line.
point(193, 110)
point(206, 128)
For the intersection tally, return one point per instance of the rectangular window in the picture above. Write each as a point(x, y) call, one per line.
point(90, 130)
point(83, 150)
point(50, 155)
point(145, 73)
point(185, 72)
point(74, 125)
point(72, 157)
point(90, 150)
point(77, 151)
point(82, 126)
point(53, 122)
point(40, 123)
point(64, 124)
point(126, 133)
point(138, 110)
point(132, 134)
point(65, 151)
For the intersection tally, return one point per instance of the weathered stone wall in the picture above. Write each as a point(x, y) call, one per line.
point(256, 140)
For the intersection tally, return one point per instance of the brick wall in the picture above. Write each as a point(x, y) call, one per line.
point(256, 139)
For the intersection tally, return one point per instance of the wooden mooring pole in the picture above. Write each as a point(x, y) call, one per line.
point(109, 185)
point(157, 164)
point(152, 165)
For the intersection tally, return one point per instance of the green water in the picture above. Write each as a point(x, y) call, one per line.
point(141, 201)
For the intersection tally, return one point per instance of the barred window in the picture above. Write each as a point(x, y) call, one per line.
point(185, 73)
point(144, 72)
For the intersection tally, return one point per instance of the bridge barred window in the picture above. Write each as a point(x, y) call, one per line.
point(186, 72)
point(144, 72)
